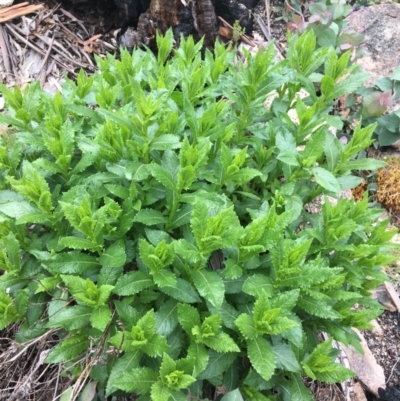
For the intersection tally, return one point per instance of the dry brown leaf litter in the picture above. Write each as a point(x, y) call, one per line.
point(388, 179)
point(23, 375)
point(387, 349)
point(47, 45)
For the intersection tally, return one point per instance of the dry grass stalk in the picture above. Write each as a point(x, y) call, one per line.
point(23, 375)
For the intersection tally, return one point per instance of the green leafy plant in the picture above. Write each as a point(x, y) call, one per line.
point(237, 32)
point(156, 215)
point(328, 21)
point(373, 107)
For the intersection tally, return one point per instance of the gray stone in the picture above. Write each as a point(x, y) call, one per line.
point(369, 373)
point(377, 330)
point(394, 296)
point(380, 293)
point(358, 393)
point(379, 24)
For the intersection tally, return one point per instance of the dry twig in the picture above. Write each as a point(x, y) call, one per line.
point(18, 10)
point(243, 37)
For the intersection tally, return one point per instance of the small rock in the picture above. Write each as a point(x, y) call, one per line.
point(6, 3)
point(380, 293)
point(394, 296)
point(368, 371)
point(358, 393)
point(130, 39)
point(379, 24)
point(377, 330)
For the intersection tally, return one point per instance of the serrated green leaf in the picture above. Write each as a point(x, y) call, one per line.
point(210, 285)
point(155, 346)
point(326, 179)
point(221, 342)
point(164, 278)
point(100, 317)
point(178, 396)
point(71, 318)
point(128, 315)
point(109, 275)
point(188, 317)
point(167, 317)
point(199, 220)
point(8, 313)
point(188, 251)
point(335, 374)
point(317, 308)
point(111, 115)
point(114, 255)
point(332, 152)
point(255, 284)
point(320, 365)
point(125, 363)
point(8, 280)
point(286, 359)
point(315, 145)
point(156, 236)
point(261, 357)
point(18, 210)
point(13, 250)
point(227, 312)
point(71, 263)
point(159, 392)
point(285, 300)
point(132, 283)
point(362, 164)
point(137, 380)
point(77, 243)
point(244, 175)
point(62, 352)
point(35, 217)
point(183, 291)
point(199, 354)
point(149, 217)
point(164, 177)
point(348, 85)
point(158, 257)
point(297, 389)
point(217, 364)
point(181, 217)
point(245, 324)
point(327, 86)
point(21, 303)
point(47, 284)
point(165, 142)
point(262, 306)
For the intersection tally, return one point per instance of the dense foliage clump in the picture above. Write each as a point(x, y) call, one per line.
point(157, 215)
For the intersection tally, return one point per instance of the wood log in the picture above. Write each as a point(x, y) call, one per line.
point(188, 17)
point(195, 17)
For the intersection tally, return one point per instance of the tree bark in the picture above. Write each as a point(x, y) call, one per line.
point(196, 17)
point(187, 17)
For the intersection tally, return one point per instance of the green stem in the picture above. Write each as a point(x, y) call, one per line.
point(146, 156)
point(175, 205)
